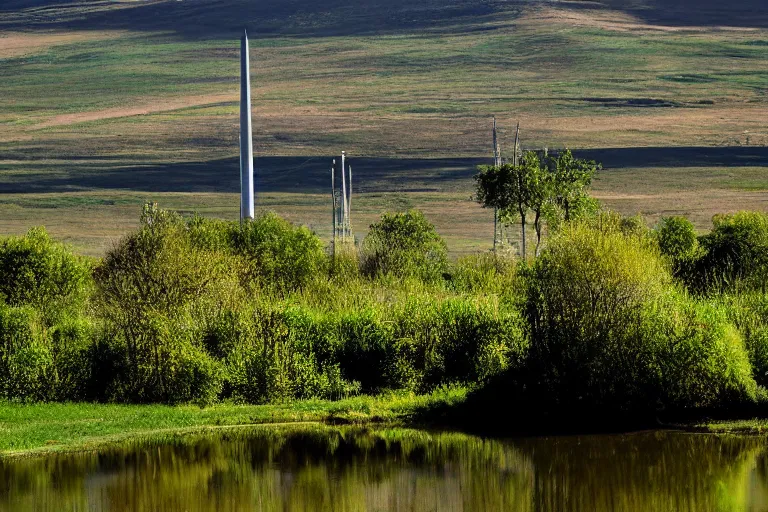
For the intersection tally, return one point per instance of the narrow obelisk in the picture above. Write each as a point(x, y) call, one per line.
point(246, 133)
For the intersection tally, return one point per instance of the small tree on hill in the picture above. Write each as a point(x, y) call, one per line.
point(505, 188)
point(550, 189)
point(572, 178)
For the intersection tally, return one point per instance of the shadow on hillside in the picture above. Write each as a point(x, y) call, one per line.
point(311, 175)
point(692, 13)
point(266, 18)
point(262, 18)
point(273, 174)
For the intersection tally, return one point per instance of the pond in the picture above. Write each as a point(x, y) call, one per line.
point(317, 467)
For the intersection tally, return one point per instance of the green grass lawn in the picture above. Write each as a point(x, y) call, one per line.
point(40, 428)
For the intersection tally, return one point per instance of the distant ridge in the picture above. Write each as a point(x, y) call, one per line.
point(195, 18)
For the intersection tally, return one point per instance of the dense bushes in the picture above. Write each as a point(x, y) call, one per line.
point(43, 291)
point(200, 310)
point(405, 244)
point(610, 331)
point(735, 253)
point(279, 254)
point(36, 271)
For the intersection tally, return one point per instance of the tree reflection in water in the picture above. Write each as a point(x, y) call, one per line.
point(311, 468)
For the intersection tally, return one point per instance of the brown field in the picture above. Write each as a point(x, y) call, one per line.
point(106, 105)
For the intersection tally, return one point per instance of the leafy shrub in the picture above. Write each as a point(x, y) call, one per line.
point(677, 238)
point(35, 270)
point(757, 345)
point(147, 286)
point(485, 273)
point(211, 234)
point(460, 340)
point(736, 252)
point(275, 362)
point(71, 344)
point(586, 301)
point(702, 360)
point(605, 335)
point(280, 255)
point(26, 362)
point(367, 349)
point(172, 367)
point(405, 245)
point(749, 312)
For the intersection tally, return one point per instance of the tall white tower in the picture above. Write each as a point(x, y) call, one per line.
point(246, 133)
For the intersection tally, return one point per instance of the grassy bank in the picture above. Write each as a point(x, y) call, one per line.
point(29, 429)
point(612, 324)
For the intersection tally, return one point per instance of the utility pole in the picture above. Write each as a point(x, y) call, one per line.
point(246, 133)
point(333, 210)
point(515, 159)
point(341, 201)
point(344, 211)
point(497, 163)
point(349, 204)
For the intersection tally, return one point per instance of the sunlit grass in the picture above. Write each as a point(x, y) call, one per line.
point(27, 428)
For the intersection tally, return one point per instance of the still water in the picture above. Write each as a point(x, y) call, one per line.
point(349, 469)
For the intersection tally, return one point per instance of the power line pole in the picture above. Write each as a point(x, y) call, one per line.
point(246, 133)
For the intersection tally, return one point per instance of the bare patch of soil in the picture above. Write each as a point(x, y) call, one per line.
point(146, 107)
point(19, 44)
point(606, 20)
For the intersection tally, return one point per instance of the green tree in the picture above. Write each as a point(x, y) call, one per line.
point(278, 254)
point(516, 191)
point(572, 178)
point(540, 184)
point(736, 251)
point(147, 287)
point(551, 189)
point(37, 271)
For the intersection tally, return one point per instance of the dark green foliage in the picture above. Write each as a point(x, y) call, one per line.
point(71, 347)
point(281, 357)
point(460, 340)
point(757, 344)
point(677, 238)
point(677, 241)
point(572, 178)
point(38, 363)
point(552, 189)
point(146, 287)
point(607, 334)
point(203, 310)
point(278, 254)
point(702, 360)
point(735, 253)
point(367, 346)
point(749, 312)
point(284, 352)
point(36, 271)
point(26, 362)
point(405, 245)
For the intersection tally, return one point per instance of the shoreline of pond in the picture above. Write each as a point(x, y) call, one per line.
point(32, 430)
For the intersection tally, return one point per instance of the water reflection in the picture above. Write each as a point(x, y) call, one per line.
point(350, 469)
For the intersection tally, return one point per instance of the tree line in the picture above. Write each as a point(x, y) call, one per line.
point(613, 317)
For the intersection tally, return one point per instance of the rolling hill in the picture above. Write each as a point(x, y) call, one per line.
point(105, 104)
